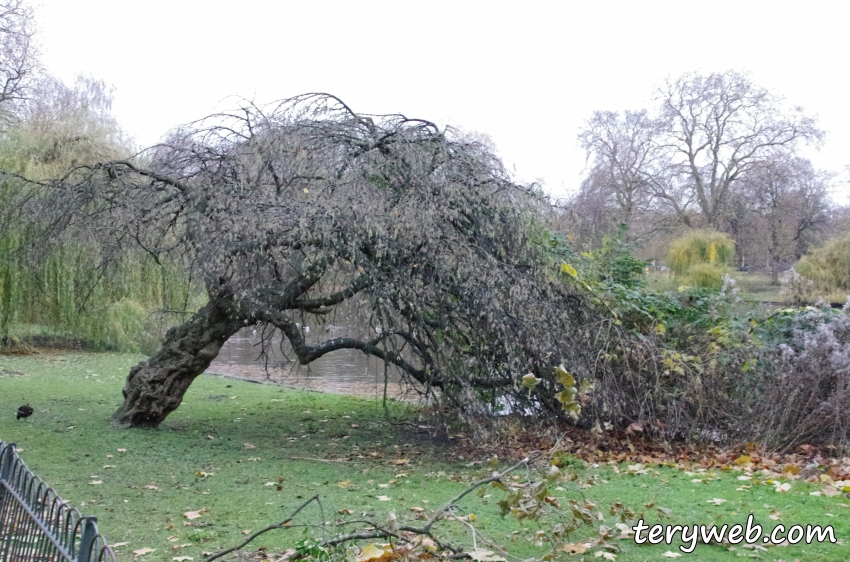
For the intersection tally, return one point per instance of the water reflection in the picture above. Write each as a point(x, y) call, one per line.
point(345, 371)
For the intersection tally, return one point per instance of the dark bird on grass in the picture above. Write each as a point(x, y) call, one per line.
point(24, 411)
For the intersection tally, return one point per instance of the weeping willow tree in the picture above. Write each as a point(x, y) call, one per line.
point(52, 280)
point(285, 213)
point(828, 268)
point(701, 257)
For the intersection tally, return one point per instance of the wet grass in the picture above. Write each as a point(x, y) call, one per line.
point(245, 455)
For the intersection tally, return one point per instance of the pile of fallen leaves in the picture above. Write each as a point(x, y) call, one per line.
point(806, 462)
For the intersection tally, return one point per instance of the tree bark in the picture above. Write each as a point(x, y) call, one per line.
point(155, 388)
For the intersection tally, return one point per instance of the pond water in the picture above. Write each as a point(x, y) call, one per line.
point(345, 371)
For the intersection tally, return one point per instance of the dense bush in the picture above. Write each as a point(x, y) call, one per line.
point(828, 268)
point(696, 365)
point(700, 258)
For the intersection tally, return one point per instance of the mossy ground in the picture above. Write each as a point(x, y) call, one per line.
point(241, 454)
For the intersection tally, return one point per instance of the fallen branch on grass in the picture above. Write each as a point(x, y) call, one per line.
point(378, 532)
point(280, 525)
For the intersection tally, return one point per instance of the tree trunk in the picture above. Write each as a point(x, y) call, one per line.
point(155, 387)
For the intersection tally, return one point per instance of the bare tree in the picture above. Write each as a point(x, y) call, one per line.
point(286, 212)
point(625, 160)
point(787, 203)
point(18, 53)
point(717, 128)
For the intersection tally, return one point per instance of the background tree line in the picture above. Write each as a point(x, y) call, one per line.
point(716, 151)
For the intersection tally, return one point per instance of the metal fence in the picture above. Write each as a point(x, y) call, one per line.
point(36, 525)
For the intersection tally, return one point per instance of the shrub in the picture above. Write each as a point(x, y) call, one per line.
point(700, 258)
point(804, 391)
point(795, 288)
point(828, 267)
point(704, 276)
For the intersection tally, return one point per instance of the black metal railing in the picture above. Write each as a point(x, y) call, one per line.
point(36, 525)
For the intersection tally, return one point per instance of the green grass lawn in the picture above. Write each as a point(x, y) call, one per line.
point(240, 454)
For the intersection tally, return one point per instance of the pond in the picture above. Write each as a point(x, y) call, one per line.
point(345, 371)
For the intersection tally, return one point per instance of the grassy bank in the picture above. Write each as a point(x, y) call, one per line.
point(245, 455)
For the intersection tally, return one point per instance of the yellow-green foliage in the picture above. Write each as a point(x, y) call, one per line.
point(828, 267)
point(70, 293)
point(700, 247)
point(62, 286)
point(704, 275)
point(701, 258)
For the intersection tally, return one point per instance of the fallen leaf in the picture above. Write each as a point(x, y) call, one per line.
point(152, 487)
point(717, 501)
point(116, 545)
point(575, 548)
point(605, 555)
point(345, 484)
point(122, 450)
point(417, 509)
point(830, 491)
point(246, 532)
point(182, 558)
point(633, 428)
point(670, 554)
point(401, 461)
point(345, 511)
point(481, 555)
point(192, 514)
point(96, 482)
point(783, 487)
point(743, 459)
point(143, 551)
point(203, 474)
point(370, 552)
point(384, 498)
point(249, 446)
point(109, 466)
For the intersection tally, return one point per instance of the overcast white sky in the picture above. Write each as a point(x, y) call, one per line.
point(525, 73)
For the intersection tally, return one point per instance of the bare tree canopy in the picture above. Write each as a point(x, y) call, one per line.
point(719, 126)
point(18, 56)
point(286, 212)
point(625, 159)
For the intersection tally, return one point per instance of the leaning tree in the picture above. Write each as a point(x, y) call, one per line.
point(287, 212)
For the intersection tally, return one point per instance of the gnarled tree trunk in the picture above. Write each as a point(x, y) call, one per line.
point(155, 387)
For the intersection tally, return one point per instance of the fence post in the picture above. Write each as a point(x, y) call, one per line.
point(5, 468)
point(7, 462)
point(88, 539)
point(5, 471)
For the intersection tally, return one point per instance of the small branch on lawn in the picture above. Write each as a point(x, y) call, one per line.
point(317, 460)
point(497, 477)
point(378, 532)
point(269, 528)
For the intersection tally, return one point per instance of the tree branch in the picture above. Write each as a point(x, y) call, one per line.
point(267, 529)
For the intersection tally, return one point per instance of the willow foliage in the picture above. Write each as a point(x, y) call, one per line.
point(828, 267)
point(700, 257)
point(54, 281)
